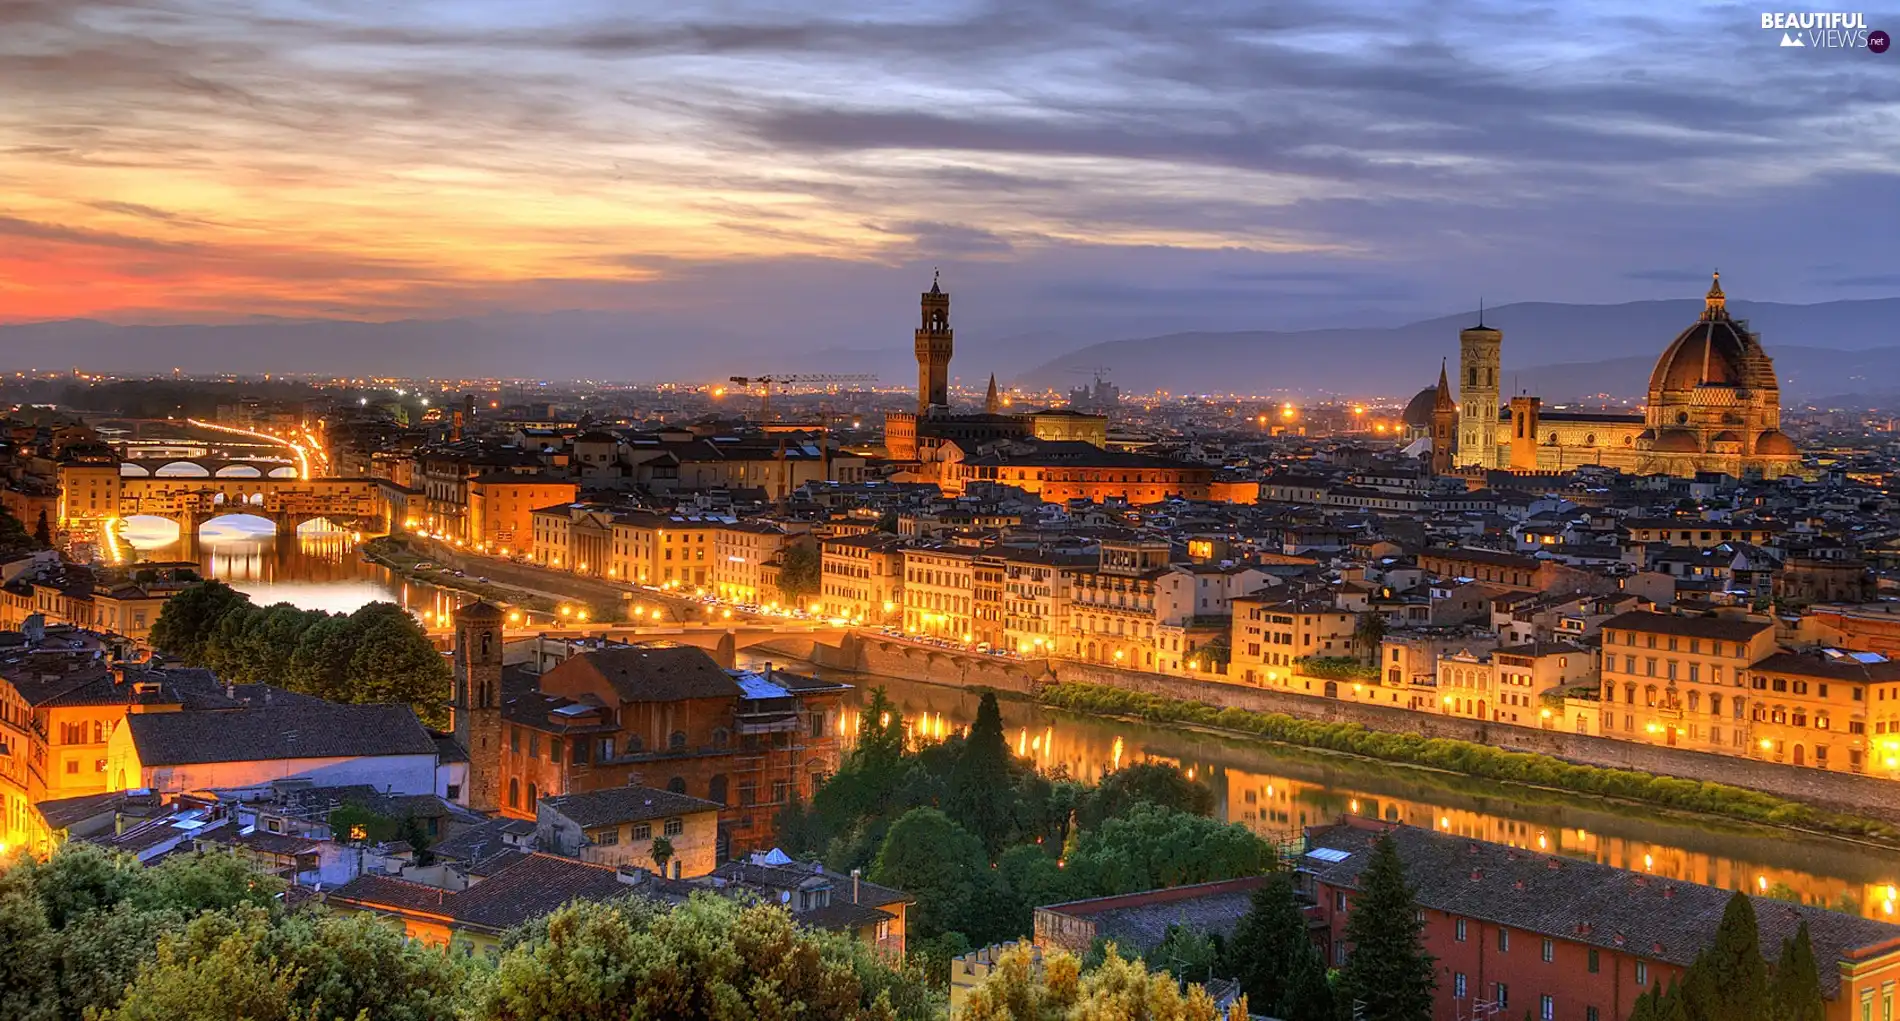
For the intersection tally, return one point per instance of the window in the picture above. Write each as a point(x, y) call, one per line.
point(534, 745)
point(514, 740)
point(554, 750)
point(677, 742)
point(674, 827)
point(1550, 951)
point(531, 795)
point(72, 766)
point(1547, 1007)
point(1503, 995)
point(607, 837)
point(1593, 960)
point(1459, 931)
point(677, 785)
point(1339, 900)
point(643, 831)
point(716, 788)
point(514, 792)
point(453, 792)
point(1590, 1014)
point(1504, 941)
point(1642, 973)
point(1458, 985)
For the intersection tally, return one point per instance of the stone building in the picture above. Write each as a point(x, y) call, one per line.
point(1713, 405)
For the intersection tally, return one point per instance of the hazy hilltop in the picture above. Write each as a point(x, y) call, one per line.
point(1560, 351)
point(1556, 350)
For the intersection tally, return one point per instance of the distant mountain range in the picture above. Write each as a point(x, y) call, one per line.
point(1558, 351)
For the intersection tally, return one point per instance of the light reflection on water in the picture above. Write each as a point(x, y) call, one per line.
point(317, 569)
point(1276, 795)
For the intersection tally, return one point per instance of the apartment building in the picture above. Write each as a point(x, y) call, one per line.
point(1681, 681)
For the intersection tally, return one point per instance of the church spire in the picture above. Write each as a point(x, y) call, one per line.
point(1444, 400)
point(991, 403)
point(1715, 304)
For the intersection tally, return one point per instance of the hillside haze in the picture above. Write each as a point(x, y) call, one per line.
point(1559, 351)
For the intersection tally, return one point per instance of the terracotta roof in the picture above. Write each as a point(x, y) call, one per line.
point(626, 804)
point(307, 730)
point(656, 674)
point(1585, 902)
point(370, 889)
point(1718, 628)
point(1865, 668)
point(532, 887)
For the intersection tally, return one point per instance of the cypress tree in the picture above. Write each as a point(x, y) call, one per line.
point(1795, 991)
point(1262, 946)
point(1389, 973)
point(1646, 1008)
point(1672, 1005)
point(1729, 980)
point(981, 788)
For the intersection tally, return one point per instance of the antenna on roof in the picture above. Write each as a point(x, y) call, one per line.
point(1480, 310)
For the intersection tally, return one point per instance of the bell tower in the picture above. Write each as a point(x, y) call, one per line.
point(1478, 359)
point(935, 341)
point(476, 704)
point(1444, 426)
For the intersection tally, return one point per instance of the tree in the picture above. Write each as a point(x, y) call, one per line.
point(982, 784)
point(711, 957)
point(43, 530)
point(1155, 783)
point(319, 666)
point(186, 623)
point(1368, 634)
point(1389, 972)
point(1150, 847)
point(416, 836)
point(798, 576)
point(1729, 979)
point(1186, 953)
point(1274, 959)
point(394, 661)
point(1019, 988)
point(1795, 992)
point(662, 853)
point(927, 855)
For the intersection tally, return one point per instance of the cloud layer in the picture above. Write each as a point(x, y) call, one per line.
point(1078, 168)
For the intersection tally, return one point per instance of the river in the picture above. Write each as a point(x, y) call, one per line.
point(1276, 791)
point(1273, 791)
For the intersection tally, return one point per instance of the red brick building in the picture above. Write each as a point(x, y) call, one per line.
point(1516, 931)
point(668, 716)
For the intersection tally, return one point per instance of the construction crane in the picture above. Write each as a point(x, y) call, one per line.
point(766, 383)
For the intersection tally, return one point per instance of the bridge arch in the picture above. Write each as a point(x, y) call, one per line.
point(284, 471)
point(181, 470)
point(129, 470)
point(239, 471)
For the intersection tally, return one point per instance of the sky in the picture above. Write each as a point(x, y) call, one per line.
point(1080, 166)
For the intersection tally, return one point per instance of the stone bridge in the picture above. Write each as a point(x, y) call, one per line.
point(354, 503)
point(206, 468)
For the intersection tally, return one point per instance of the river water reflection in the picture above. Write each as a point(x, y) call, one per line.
point(316, 569)
point(1275, 792)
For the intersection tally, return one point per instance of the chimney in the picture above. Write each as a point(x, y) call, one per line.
point(1669, 893)
point(230, 690)
point(1477, 874)
point(857, 875)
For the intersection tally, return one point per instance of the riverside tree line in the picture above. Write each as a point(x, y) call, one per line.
point(377, 654)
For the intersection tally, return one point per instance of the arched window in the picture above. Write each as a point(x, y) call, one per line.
point(514, 792)
point(677, 785)
point(721, 737)
point(677, 741)
point(531, 794)
point(1553, 439)
point(716, 788)
point(635, 745)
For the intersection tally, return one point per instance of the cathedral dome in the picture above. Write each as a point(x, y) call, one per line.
point(1716, 351)
point(1776, 442)
point(1677, 441)
point(1418, 413)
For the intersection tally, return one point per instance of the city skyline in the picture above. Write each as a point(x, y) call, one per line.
point(1220, 168)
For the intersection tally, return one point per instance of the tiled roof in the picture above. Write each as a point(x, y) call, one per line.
point(1585, 902)
point(533, 887)
point(1842, 666)
point(369, 889)
point(626, 804)
point(654, 674)
point(1718, 628)
point(263, 733)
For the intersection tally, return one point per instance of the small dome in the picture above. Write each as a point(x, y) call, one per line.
point(1677, 441)
point(1776, 442)
point(1726, 436)
point(1418, 412)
